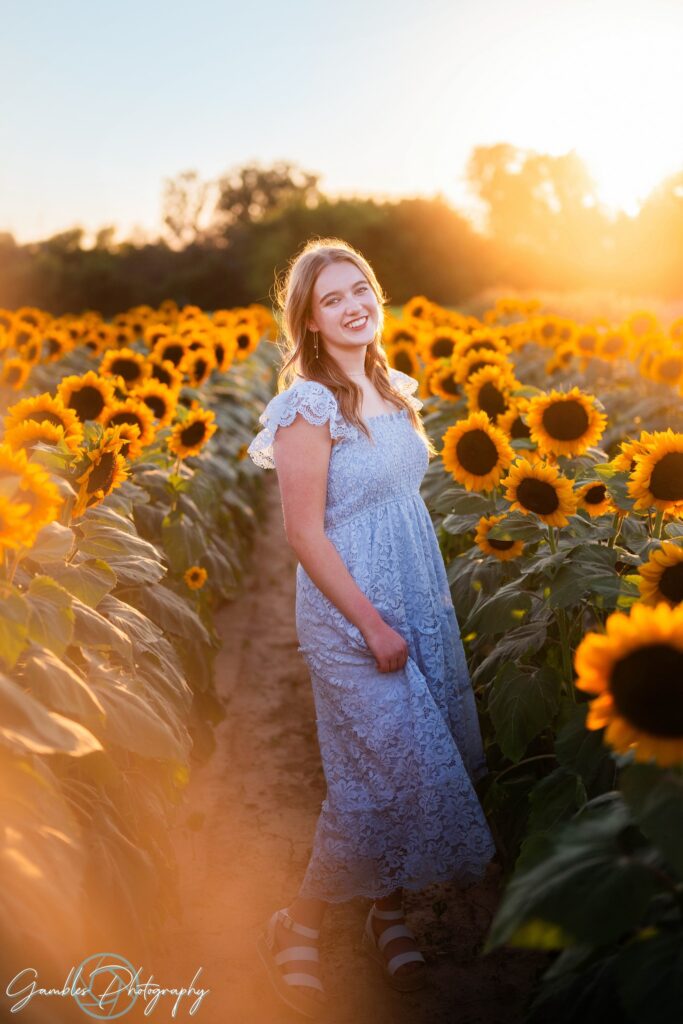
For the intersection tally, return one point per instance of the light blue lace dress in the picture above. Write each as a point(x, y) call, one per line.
point(400, 750)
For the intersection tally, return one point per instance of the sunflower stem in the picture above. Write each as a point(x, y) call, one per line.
point(551, 539)
point(657, 528)
point(566, 652)
point(616, 529)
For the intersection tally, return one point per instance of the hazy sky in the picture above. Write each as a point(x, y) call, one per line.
point(99, 102)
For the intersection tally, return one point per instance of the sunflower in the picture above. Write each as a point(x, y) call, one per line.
point(129, 433)
point(565, 423)
point(15, 372)
point(641, 323)
point(594, 497)
point(476, 452)
point(613, 344)
point(14, 532)
point(540, 489)
point(126, 363)
point(41, 495)
point(402, 357)
point(512, 421)
point(560, 359)
point(661, 577)
point(418, 308)
point(635, 669)
point(195, 577)
point(25, 436)
point(46, 409)
point(657, 480)
point(247, 338)
point(667, 367)
point(155, 332)
point(199, 364)
point(88, 395)
point(488, 390)
point(224, 348)
point(440, 380)
point(629, 451)
point(480, 341)
point(105, 470)
point(396, 331)
point(477, 360)
point(503, 550)
point(30, 484)
point(165, 372)
point(132, 410)
point(172, 348)
point(439, 343)
point(160, 398)
point(56, 343)
point(190, 436)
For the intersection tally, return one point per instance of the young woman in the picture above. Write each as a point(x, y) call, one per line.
point(397, 723)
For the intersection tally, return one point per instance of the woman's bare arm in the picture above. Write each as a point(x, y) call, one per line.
point(301, 452)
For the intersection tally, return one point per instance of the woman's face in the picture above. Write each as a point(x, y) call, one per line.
point(344, 307)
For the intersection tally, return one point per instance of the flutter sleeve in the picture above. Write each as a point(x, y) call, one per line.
point(313, 400)
point(407, 386)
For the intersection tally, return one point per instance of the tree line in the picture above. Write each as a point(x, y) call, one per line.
point(543, 227)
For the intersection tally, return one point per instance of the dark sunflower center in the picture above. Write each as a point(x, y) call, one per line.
point(194, 434)
point(595, 495)
point(13, 374)
point(586, 342)
point(54, 346)
point(174, 352)
point(519, 429)
point(647, 689)
point(126, 417)
point(450, 385)
point(476, 452)
point(156, 404)
point(87, 402)
point(103, 473)
point(500, 545)
point(566, 420)
point(220, 353)
point(126, 368)
point(491, 400)
point(200, 368)
point(476, 346)
point(613, 343)
point(477, 366)
point(243, 340)
point(666, 481)
point(160, 373)
point(538, 496)
point(671, 582)
point(442, 348)
point(40, 416)
point(548, 330)
point(670, 367)
point(404, 336)
point(403, 362)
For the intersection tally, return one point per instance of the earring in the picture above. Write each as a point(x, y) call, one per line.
point(315, 336)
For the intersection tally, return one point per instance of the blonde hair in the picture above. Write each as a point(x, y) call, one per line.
point(294, 300)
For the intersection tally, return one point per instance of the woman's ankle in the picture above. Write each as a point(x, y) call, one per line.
point(309, 913)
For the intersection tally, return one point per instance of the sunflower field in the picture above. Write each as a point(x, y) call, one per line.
point(558, 495)
point(127, 509)
point(126, 514)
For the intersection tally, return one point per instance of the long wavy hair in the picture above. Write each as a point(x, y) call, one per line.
point(294, 301)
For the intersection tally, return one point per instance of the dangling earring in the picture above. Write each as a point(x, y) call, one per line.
point(315, 336)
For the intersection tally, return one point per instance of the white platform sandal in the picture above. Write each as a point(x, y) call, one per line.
point(407, 981)
point(284, 983)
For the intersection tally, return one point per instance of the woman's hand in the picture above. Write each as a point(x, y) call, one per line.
point(388, 646)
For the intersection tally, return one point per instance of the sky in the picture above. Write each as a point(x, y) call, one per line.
point(100, 102)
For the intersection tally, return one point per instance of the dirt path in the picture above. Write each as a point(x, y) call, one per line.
point(259, 796)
